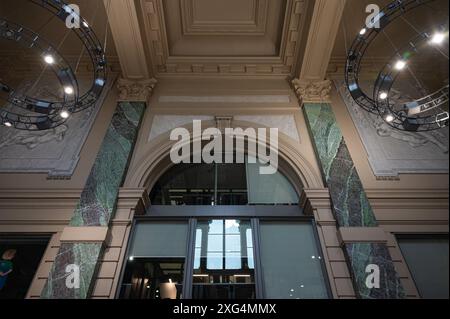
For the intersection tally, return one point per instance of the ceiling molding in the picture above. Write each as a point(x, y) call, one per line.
point(256, 24)
point(322, 35)
point(165, 64)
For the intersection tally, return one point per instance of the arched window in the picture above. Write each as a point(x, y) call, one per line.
point(222, 184)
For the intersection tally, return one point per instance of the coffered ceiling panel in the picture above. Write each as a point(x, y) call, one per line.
point(224, 28)
point(233, 37)
point(216, 17)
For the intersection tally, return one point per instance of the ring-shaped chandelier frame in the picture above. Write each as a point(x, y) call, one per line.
point(49, 113)
point(355, 56)
point(412, 115)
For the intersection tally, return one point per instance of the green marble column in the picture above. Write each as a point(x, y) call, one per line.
point(97, 203)
point(350, 203)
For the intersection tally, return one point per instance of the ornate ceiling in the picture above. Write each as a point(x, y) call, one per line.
point(164, 38)
point(223, 37)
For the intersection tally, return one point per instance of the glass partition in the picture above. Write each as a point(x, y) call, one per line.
point(222, 184)
point(427, 259)
point(268, 189)
point(291, 263)
point(156, 261)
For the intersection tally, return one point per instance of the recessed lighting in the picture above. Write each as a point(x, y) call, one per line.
point(389, 118)
point(64, 114)
point(363, 31)
point(49, 59)
point(131, 258)
point(400, 65)
point(8, 124)
point(438, 38)
point(383, 95)
point(68, 90)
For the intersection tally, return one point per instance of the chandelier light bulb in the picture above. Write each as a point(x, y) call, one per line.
point(68, 90)
point(8, 124)
point(438, 38)
point(400, 65)
point(383, 95)
point(389, 118)
point(363, 31)
point(64, 114)
point(49, 59)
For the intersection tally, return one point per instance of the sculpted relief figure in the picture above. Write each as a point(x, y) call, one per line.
point(32, 139)
point(414, 139)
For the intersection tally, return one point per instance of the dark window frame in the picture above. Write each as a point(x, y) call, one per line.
point(191, 216)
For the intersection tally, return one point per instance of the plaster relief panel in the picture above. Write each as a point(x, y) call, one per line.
point(285, 123)
point(392, 152)
point(165, 123)
point(56, 151)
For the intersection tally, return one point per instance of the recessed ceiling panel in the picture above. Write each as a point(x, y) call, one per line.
point(224, 28)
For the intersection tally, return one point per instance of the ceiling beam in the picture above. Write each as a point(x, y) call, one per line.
point(324, 27)
point(128, 39)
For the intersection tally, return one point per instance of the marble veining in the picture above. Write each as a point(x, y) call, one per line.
point(363, 254)
point(350, 202)
point(97, 203)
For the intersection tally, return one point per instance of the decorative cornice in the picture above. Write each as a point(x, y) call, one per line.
point(135, 90)
point(312, 91)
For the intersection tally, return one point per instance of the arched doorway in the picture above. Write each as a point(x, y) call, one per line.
point(221, 231)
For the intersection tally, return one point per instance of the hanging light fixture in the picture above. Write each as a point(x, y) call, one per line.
point(423, 114)
point(28, 113)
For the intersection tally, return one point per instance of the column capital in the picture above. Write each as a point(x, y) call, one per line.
point(312, 91)
point(135, 90)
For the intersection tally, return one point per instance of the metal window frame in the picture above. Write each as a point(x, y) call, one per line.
point(256, 215)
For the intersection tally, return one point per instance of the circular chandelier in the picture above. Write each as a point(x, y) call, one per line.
point(29, 113)
point(423, 114)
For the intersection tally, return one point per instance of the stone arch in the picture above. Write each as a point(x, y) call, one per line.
point(150, 165)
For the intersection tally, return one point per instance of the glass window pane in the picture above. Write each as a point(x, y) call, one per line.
point(225, 259)
point(292, 265)
point(233, 243)
point(155, 266)
point(231, 184)
point(268, 189)
point(159, 240)
point(427, 259)
point(215, 243)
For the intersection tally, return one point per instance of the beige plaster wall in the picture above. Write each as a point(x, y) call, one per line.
point(29, 203)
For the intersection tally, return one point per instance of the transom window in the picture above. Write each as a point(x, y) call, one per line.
point(222, 184)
